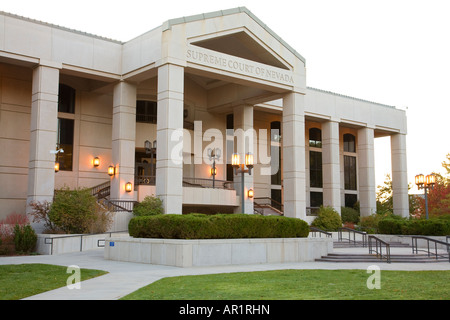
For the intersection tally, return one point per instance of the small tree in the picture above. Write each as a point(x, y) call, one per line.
point(148, 207)
point(328, 219)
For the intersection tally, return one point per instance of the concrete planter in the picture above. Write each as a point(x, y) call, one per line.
point(215, 252)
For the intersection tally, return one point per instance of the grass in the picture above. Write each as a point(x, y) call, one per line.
point(300, 284)
point(24, 280)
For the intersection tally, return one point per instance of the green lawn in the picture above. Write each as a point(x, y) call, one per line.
point(300, 284)
point(24, 280)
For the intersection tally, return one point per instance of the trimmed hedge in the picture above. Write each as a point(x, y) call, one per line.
point(219, 226)
point(432, 227)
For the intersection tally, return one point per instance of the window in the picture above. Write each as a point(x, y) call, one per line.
point(315, 138)
point(65, 142)
point(146, 111)
point(349, 143)
point(316, 199)
point(315, 169)
point(275, 152)
point(66, 99)
point(350, 173)
point(351, 200)
point(230, 146)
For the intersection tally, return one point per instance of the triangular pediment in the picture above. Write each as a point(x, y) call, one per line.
point(243, 45)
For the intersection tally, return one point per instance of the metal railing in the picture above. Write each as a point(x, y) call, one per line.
point(50, 240)
point(145, 180)
point(379, 248)
point(312, 211)
point(262, 202)
point(354, 233)
point(415, 248)
point(119, 205)
point(208, 183)
point(315, 230)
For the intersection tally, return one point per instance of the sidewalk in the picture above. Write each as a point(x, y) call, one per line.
point(124, 277)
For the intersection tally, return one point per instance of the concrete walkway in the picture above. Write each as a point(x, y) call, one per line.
point(124, 277)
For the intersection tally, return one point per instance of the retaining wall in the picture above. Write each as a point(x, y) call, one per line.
point(215, 252)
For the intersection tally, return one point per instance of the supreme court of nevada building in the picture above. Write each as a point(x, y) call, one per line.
point(172, 112)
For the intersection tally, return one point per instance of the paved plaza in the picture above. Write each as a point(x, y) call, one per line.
point(124, 277)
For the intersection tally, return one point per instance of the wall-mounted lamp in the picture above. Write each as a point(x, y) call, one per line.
point(111, 171)
point(251, 194)
point(128, 187)
point(56, 166)
point(213, 171)
point(96, 162)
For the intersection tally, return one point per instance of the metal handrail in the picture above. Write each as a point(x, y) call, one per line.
point(208, 183)
point(436, 242)
point(354, 232)
point(77, 235)
point(271, 202)
point(378, 244)
point(320, 231)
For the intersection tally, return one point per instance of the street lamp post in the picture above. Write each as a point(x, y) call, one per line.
point(213, 155)
point(425, 183)
point(240, 168)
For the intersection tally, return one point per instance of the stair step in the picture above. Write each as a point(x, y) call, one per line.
point(406, 258)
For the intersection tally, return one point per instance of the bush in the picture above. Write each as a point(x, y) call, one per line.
point(431, 227)
point(77, 211)
point(219, 226)
point(24, 238)
point(148, 207)
point(328, 219)
point(349, 215)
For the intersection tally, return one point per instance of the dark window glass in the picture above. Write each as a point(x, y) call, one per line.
point(315, 169)
point(350, 173)
point(316, 199)
point(65, 142)
point(349, 143)
point(230, 121)
point(315, 138)
point(275, 152)
point(146, 111)
point(275, 194)
point(66, 99)
point(350, 200)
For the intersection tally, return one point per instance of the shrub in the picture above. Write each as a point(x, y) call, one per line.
point(24, 238)
point(75, 211)
point(148, 207)
point(328, 219)
point(219, 226)
point(349, 215)
point(431, 227)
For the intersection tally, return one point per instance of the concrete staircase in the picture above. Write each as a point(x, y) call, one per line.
point(403, 254)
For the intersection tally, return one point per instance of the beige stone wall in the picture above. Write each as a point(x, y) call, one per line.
point(15, 111)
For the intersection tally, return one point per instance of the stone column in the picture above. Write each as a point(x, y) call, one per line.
point(331, 166)
point(43, 133)
point(245, 138)
point(123, 140)
point(169, 157)
point(366, 171)
point(294, 190)
point(399, 175)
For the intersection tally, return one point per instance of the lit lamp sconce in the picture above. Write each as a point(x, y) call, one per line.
point(96, 162)
point(56, 166)
point(128, 187)
point(213, 171)
point(251, 193)
point(111, 171)
point(249, 162)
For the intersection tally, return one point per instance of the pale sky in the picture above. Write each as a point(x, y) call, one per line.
point(393, 52)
